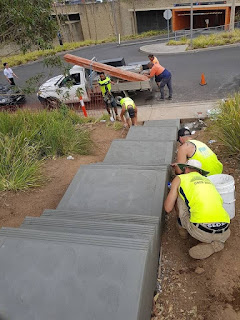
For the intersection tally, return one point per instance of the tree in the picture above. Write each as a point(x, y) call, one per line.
point(27, 23)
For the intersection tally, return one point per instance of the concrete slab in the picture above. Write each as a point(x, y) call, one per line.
point(73, 281)
point(129, 166)
point(116, 190)
point(97, 216)
point(140, 152)
point(152, 133)
point(163, 123)
point(56, 237)
point(81, 216)
point(90, 227)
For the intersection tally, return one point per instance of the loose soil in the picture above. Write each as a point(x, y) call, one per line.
point(186, 289)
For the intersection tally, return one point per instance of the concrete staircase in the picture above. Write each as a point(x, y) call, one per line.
point(95, 256)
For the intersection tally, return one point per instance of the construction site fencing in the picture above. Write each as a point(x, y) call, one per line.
point(95, 108)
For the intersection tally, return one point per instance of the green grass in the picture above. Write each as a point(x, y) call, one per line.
point(143, 35)
point(226, 125)
point(27, 138)
point(19, 59)
point(20, 167)
point(117, 125)
point(182, 41)
point(216, 39)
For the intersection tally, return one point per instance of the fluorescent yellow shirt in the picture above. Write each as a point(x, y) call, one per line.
point(207, 158)
point(202, 199)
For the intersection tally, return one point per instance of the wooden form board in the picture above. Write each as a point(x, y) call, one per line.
point(97, 66)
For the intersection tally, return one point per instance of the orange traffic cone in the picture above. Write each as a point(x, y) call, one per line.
point(203, 81)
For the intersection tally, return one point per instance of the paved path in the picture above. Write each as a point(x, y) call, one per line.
point(169, 110)
point(185, 110)
point(163, 49)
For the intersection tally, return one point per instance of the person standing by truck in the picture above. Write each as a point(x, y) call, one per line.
point(162, 77)
point(105, 85)
point(129, 111)
point(153, 59)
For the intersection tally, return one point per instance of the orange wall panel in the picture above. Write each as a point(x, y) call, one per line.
point(183, 22)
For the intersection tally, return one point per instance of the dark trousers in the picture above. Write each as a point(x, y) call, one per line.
point(12, 81)
point(168, 82)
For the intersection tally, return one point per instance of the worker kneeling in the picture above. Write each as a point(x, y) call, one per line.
point(200, 210)
point(129, 111)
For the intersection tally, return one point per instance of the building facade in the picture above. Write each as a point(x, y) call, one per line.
point(97, 21)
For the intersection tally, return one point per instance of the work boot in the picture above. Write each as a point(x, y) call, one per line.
point(160, 99)
point(169, 98)
point(182, 232)
point(205, 250)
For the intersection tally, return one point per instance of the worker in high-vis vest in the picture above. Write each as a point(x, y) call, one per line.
point(105, 84)
point(128, 114)
point(197, 150)
point(200, 210)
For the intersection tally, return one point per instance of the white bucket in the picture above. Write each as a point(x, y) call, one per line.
point(225, 185)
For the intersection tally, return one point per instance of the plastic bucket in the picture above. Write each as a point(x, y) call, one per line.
point(225, 185)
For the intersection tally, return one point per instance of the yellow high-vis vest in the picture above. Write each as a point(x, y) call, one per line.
point(105, 85)
point(207, 158)
point(202, 199)
point(127, 102)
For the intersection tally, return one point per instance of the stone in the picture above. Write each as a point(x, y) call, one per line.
point(199, 270)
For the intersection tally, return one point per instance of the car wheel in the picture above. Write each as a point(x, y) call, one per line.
point(51, 103)
point(118, 99)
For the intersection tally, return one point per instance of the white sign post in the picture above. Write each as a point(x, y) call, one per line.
point(207, 22)
point(167, 14)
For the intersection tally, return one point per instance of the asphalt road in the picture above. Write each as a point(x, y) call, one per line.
point(220, 67)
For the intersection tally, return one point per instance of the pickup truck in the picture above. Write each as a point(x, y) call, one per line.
point(64, 88)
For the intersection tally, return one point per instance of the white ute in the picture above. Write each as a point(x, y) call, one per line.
point(64, 88)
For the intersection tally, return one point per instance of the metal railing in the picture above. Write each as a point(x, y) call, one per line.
point(204, 31)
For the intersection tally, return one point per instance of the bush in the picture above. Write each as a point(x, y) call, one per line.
point(216, 39)
point(19, 166)
point(29, 137)
point(182, 41)
point(226, 125)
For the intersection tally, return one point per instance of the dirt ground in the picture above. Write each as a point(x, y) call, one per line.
point(187, 289)
point(195, 289)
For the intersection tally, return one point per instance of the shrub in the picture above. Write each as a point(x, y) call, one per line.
point(226, 124)
point(19, 164)
point(216, 39)
point(182, 41)
point(26, 138)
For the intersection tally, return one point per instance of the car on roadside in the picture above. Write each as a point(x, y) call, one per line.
point(11, 96)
